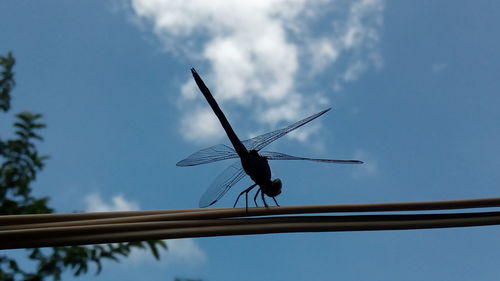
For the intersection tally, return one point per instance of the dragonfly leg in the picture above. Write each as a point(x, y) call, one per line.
point(246, 193)
point(275, 201)
point(264, 200)
point(246, 202)
point(255, 197)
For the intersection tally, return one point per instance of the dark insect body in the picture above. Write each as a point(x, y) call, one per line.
point(251, 162)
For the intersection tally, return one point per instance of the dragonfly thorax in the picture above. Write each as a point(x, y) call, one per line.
point(257, 168)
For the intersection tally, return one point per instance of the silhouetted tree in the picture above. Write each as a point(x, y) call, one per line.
point(20, 163)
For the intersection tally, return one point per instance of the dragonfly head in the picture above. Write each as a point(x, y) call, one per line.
point(275, 188)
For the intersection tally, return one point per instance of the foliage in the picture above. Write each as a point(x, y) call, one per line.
point(20, 163)
point(6, 81)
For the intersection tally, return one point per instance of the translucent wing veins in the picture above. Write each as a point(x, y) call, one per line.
point(259, 142)
point(211, 154)
point(222, 184)
point(282, 156)
point(222, 152)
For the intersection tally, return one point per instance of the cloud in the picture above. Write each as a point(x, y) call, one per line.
point(264, 54)
point(368, 169)
point(201, 124)
point(438, 67)
point(94, 203)
point(354, 70)
point(180, 251)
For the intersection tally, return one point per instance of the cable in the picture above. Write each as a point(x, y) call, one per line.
point(92, 228)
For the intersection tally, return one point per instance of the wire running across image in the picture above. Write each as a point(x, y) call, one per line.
point(45, 230)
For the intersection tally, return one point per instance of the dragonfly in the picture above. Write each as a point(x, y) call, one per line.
point(252, 161)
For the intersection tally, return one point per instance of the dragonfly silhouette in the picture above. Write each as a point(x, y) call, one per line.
point(252, 162)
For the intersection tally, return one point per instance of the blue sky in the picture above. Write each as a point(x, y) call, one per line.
point(413, 85)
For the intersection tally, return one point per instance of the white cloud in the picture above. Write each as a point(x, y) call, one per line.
point(354, 70)
point(323, 53)
point(261, 53)
point(438, 67)
point(184, 250)
point(201, 125)
point(362, 23)
point(94, 203)
point(368, 169)
point(180, 251)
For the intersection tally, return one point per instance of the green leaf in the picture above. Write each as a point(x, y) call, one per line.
point(20, 163)
point(154, 250)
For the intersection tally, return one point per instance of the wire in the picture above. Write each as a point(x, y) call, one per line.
point(43, 230)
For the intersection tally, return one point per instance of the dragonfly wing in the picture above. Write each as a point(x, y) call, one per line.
point(259, 142)
point(222, 184)
point(208, 155)
point(281, 156)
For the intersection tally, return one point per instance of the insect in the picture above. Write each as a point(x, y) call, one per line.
point(252, 161)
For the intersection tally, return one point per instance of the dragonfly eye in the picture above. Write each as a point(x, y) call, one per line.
point(275, 188)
